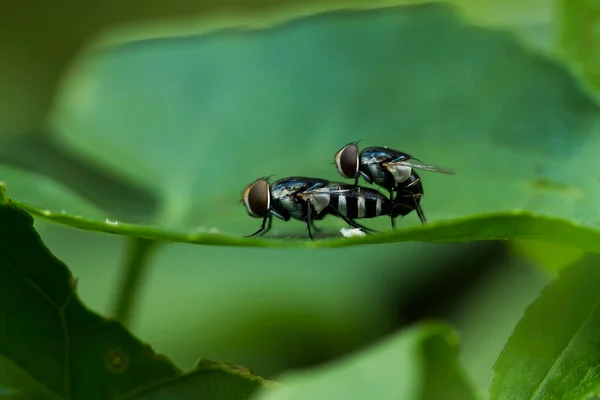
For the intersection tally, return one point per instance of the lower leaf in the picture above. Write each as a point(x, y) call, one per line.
point(419, 363)
point(554, 352)
point(53, 347)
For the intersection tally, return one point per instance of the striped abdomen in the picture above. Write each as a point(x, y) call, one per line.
point(357, 206)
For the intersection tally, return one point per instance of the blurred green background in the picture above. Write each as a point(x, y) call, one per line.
point(168, 131)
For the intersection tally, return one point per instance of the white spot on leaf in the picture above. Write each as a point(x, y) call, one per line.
point(352, 232)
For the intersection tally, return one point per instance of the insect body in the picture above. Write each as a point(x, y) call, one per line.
point(390, 169)
point(311, 199)
point(408, 197)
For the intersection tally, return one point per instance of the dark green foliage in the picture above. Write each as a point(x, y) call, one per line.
point(69, 352)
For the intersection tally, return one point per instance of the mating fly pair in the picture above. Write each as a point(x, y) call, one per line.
point(311, 199)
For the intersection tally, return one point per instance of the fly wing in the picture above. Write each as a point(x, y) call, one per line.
point(319, 199)
point(413, 163)
point(400, 172)
point(353, 192)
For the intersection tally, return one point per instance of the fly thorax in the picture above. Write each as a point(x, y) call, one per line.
point(293, 207)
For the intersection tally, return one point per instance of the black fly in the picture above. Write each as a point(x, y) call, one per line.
point(390, 169)
point(311, 199)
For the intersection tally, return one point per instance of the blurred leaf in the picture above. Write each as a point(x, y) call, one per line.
point(37, 43)
point(210, 380)
point(47, 193)
point(82, 355)
point(500, 226)
point(532, 22)
point(507, 13)
point(487, 314)
point(527, 20)
point(196, 119)
point(419, 363)
point(38, 158)
point(579, 37)
point(553, 352)
point(551, 257)
point(22, 384)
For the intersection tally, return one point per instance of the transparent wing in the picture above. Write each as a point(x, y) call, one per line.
point(360, 192)
point(351, 191)
point(319, 199)
point(414, 163)
point(327, 189)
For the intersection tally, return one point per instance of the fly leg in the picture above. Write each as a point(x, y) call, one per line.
point(265, 227)
point(355, 224)
point(393, 218)
point(309, 220)
point(418, 208)
point(351, 222)
point(421, 214)
point(359, 226)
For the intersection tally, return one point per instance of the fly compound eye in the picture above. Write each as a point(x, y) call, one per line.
point(257, 198)
point(346, 161)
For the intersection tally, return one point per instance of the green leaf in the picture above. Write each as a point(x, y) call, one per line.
point(500, 226)
point(418, 363)
point(48, 194)
point(553, 352)
point(29, 79)
point(551, 257)
point(51, 344)
point(210, 380)
point(579, 37)
point(198, 158)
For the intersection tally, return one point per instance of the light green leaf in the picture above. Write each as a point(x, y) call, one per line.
point(54, 33)
point(197, 132)
point(553, 352)
point(579, 37)
point(29, 79)
point(419, 363)
point(81, 355)
point(552, 257)
point(48, 194)
point(500, 226)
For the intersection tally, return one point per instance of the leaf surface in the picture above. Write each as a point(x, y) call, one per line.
point(274, 110)
point(553, 352)
point(419, 363)
point(51, 345)
point(500, 226)
point(579, 38)
point(54, 33)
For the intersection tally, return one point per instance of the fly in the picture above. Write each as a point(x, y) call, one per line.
point(311, 199)
point(390, 169)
